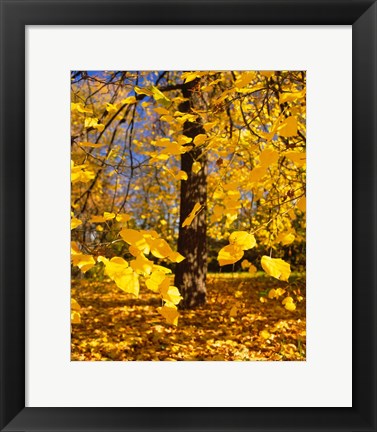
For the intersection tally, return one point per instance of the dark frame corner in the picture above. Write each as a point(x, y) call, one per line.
point(15, 15)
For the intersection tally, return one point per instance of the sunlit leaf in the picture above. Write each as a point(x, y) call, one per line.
point(196, 167)
point(75, 223)
point(122, 217)
point(191, 216)
point(154, 281)
point(288, 127)
point(142, 265)
point(170, 313)
point(89, 144)
point(124, 276)
point(276, 267)
point(200, 139)
point(136, 239)
point(230, 254)
point(243, 239)
point(160, 248)
point(176, 257)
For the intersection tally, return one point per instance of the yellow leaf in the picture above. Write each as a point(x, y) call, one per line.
point(74, 305)
point(287, 300)
point(125, 278)
point(182, 175)
point(75, 318)
point(160, 248)
point(160, 97)
point(286, 238)
point(82, 261)
point(288, 127)
point(257, 173)
point(144, 91)
point(289, 304)
point(190, 76)
point(230, 254)
point(208, 126)
point(161, 142)
point(268, 157)
point(80, 108)
point(191, 216)
point(265, 334)
point(89, 144)
point(242, 239)
point(129, 100)
point(170, 313)
point(245, 264)
point(108, 216)
point(92, 122)
point(301, 204)
point(252, 269)
point(161, 269)
point(136, 239)
point(289, 97)
point(134, 251)
point(75, 223)
point(142, 265)
point(170, 293)
point(276, 268)
point(174, 149)
point(233, 312)
point(196, 167)
point(154, 281)
point(97, 219)
point(176, 257)
point(81, 173)
point(111, 107)
point(183, 139)
point(200, 139)
point(298, 158)
point(161, 111)
point(267, 74)
point(122, 217)
point(244, 79)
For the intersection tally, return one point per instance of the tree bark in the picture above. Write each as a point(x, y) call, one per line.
point(190, 274)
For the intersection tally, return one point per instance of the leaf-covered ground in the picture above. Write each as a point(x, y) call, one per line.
point(239, 322)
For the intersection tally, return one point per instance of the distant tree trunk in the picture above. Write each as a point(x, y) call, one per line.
point(190, 274)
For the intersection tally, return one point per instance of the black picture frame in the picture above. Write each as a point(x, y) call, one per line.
point(15, 15)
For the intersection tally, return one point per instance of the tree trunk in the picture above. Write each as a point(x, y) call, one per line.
point(190, 274)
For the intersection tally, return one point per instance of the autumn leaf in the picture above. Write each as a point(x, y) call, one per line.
point(92, 122)
point(83, 261)
point(169, 293)
point(142, 265)
point(170, 313)
point(243, 239)
point(124, 276)
point(81, 173)
point(191, 216)
point(196, 167)
point(136, 239)
point(276, 267)
point(122, 217)
point(301, 204)
point(75, 223)
point(288, 127)
point(200, 139)
point(89, 144)
point(160, 248)
point(230, 254)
